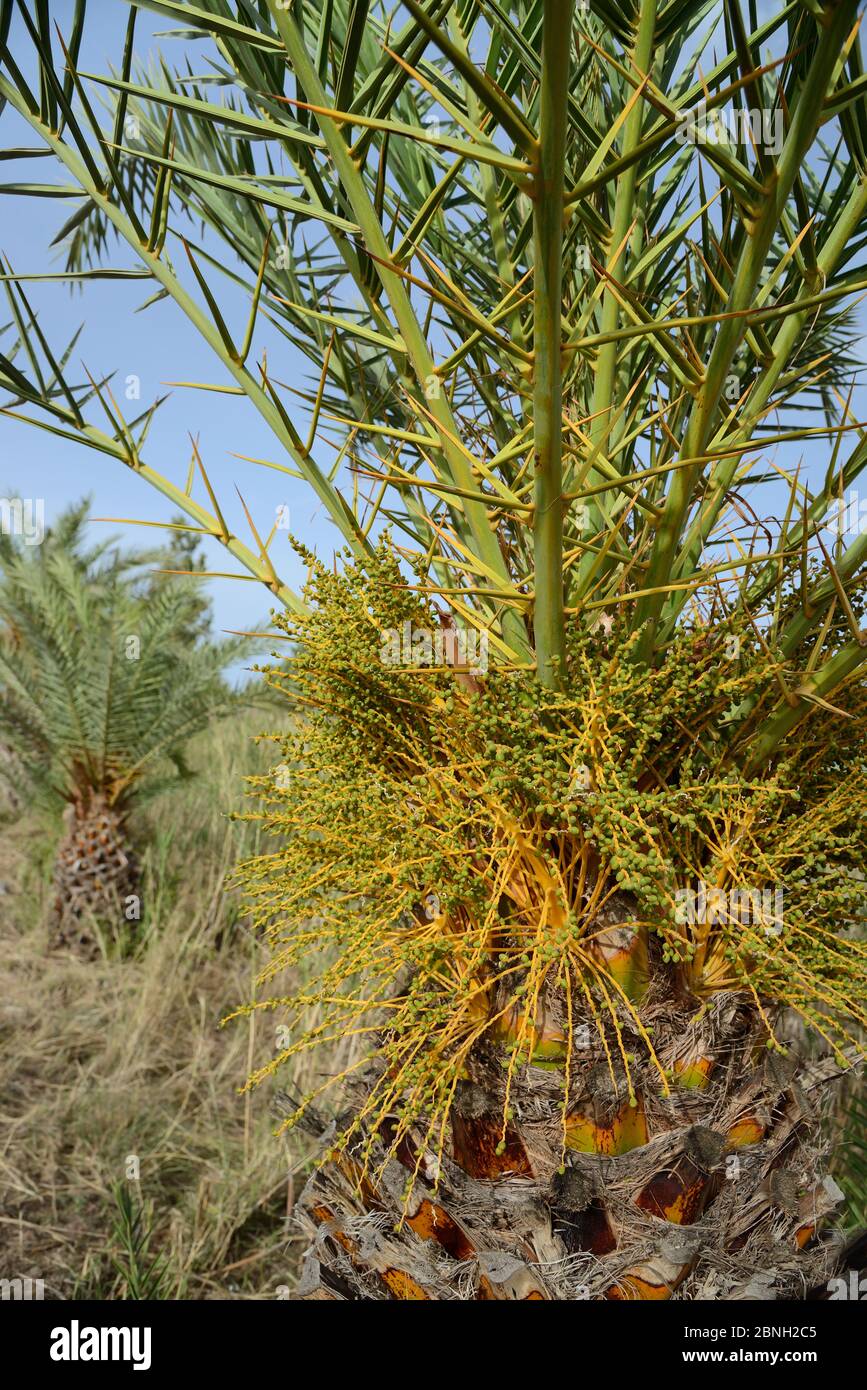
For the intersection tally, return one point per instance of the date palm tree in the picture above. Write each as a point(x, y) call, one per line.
point(574, 812)
point(104, 676)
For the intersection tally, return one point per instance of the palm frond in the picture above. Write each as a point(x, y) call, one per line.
point(104, 670)
point(389, 193)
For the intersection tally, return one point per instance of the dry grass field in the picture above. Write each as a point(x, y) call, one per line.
point(100, 1063)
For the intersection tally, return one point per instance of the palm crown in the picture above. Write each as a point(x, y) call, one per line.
point(101, 685)
point(561, 440)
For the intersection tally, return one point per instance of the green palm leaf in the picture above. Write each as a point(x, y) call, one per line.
point(544, 444)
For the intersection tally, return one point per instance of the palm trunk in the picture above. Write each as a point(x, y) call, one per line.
point(715, 1191)
point(96, 875)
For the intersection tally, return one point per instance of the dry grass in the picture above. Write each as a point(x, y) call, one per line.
point(126, 1057)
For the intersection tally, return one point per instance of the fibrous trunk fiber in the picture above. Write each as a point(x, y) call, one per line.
point(95, 874)
point(712, 1191)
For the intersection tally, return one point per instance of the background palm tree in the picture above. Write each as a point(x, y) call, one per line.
point(559, 327)
point(104, 674)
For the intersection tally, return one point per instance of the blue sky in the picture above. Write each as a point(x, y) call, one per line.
point(158, 346)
